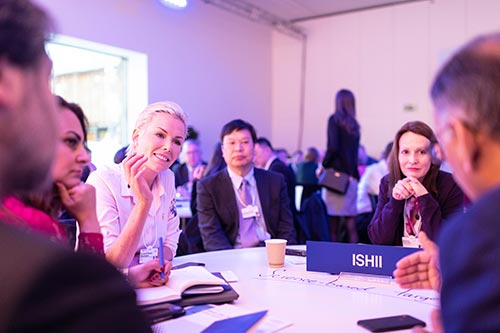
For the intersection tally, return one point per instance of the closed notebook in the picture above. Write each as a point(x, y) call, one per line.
point(191, 280)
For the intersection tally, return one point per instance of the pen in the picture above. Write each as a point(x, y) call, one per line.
point(162, 259)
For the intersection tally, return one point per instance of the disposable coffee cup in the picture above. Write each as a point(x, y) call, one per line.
point(276, 252)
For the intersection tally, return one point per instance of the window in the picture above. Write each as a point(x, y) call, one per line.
point(101, 80)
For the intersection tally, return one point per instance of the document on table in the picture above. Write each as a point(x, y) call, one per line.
point(295, 275)
point(200, 320)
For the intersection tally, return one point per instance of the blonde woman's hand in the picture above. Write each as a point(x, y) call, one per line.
point(149, 274)
point(135, 167)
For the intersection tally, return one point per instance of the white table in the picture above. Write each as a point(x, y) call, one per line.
point(311, 308)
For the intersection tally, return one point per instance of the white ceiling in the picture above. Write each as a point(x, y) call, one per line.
point(298, 10)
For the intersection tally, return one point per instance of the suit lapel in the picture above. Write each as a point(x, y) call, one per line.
point(229, 199)
point(264, 192)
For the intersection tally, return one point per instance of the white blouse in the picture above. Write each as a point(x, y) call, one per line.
point(115, 200)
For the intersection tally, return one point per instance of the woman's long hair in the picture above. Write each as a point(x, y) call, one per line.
point(345, 108)
point(395, 173)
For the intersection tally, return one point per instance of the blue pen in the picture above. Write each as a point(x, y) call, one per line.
point(162, 259)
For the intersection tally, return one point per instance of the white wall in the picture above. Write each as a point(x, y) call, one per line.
point(216, 65)
point(220, 66)
point(386, 56)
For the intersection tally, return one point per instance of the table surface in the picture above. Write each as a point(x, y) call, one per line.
point(291, 295)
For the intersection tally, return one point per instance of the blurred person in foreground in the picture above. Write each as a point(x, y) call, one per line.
point(465, 264)
point(45, 288)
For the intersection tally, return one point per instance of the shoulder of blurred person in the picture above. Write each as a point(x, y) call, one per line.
point(466, 102)
point(479, 229)
point(44, 287)
point(56, 288)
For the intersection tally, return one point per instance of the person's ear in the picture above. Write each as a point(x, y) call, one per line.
point(135, 138)
point(466, 144)
point(11, 84)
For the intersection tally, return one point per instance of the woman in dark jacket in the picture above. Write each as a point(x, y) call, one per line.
point(342, 155)
point(415, 195)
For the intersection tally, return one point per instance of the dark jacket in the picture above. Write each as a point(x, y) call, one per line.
point(342, 148)
point(279, 167)
point(181, 173)
point(386, 226)
point(45, 288)
point(470, 268)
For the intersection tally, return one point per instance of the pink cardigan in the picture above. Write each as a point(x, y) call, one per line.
point(14, 211)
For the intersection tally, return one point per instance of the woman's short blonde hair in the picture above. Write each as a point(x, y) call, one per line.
point(144, 118)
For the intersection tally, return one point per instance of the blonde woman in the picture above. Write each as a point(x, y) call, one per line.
point(136, 198)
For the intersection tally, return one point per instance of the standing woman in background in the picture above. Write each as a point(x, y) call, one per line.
point(136, 198)
point(342, 155)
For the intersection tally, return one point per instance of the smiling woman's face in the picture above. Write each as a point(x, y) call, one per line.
point(414, 155)
point(161, 141)
point(71, 155)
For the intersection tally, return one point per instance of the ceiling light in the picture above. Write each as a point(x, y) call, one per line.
point(175, 4)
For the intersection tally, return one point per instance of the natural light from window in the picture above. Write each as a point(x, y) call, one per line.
point(97, 77)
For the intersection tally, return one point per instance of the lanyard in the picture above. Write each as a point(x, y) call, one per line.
point(411, 223)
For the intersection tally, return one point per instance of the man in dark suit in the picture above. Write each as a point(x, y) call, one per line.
point(465, 266)
point(265, 158)
point(44, 288)
point(241, 206)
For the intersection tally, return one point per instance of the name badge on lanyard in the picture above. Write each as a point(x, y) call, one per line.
point(250, 211)
point(411, 241)
point(148, 254)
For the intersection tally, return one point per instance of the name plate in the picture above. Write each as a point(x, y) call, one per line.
point(331, 257)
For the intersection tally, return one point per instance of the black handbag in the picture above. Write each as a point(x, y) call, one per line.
point(334, 180)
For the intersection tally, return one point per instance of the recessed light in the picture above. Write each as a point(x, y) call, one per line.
point(176, 4)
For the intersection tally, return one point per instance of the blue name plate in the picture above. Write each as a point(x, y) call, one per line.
point(331, 257)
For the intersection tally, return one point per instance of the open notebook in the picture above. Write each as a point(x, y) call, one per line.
point(191, 280)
